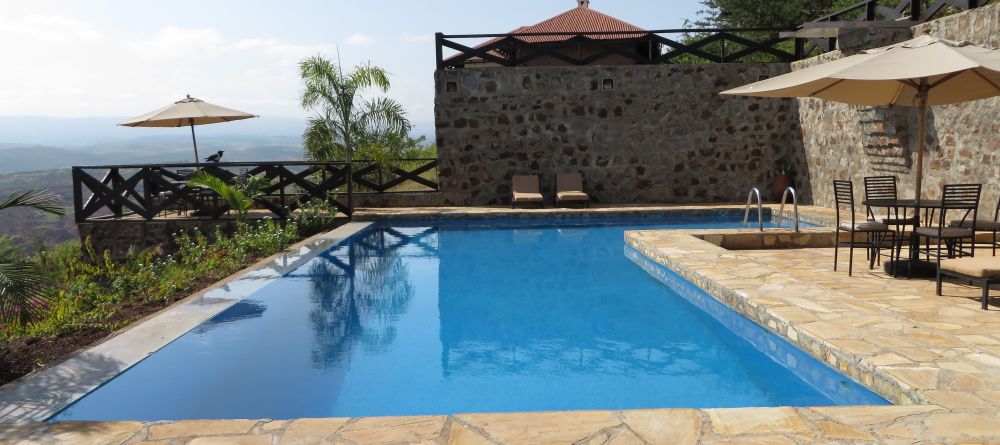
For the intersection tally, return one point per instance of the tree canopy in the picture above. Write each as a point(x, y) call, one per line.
point(346, 119)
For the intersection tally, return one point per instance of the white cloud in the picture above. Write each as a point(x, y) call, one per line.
point(360, 39)
point(55, 66)
point(65, 67)
point(48, 28)
point(416, 38)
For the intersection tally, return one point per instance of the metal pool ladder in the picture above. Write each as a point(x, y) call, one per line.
point(760, 209)
point(781, 210)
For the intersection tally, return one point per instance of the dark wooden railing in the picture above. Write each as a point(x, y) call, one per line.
point(688, 45)
point(650, 47)
point(109, 192)
point(914, 11)
point(884, 14)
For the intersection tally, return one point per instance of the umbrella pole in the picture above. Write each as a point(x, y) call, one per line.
point(195, 142)
point(921, 134)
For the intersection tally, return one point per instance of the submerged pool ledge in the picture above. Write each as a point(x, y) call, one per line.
point(40, 395)
point(688, 255)
point(840, 330)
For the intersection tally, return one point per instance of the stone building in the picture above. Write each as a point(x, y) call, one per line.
point(660, 133)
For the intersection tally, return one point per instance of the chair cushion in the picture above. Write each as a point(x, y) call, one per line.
point(898, 221)
point(947, 232)
point(527, 197)
point(568, 182)
point(525, 184)
point(865, 226)
point(982, 224)
point(572, 196)
point(980, 266)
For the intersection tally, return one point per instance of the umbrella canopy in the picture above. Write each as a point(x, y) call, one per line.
point(187, 112)
point(921, 72)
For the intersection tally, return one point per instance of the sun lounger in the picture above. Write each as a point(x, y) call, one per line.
point(526, 191)
point(569, 189)
point(981, 270)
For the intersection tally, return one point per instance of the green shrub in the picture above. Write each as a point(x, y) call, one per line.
point(314, 217)
point(91, 289)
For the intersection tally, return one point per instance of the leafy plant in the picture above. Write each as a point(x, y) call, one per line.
point(314, 216)
point(253, 186)
point(24, 291)
point(93, 289)
point(782, 168)
point(233, 197)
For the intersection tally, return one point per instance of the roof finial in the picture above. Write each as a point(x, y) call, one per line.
point(583, 3)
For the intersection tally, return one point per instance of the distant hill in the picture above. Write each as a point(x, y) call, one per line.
point(25, 158)
point(20, 158)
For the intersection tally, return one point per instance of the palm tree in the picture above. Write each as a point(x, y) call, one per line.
point(23, 290)
point(344, 119)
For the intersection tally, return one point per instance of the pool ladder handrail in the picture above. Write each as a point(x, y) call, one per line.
point(760, 209)
point(781, 210)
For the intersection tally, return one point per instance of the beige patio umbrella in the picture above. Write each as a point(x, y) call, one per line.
point(921, 72)
point(187, 112)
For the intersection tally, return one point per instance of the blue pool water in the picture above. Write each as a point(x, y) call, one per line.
point(449, 317)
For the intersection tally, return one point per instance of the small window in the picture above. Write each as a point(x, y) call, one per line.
point(451, 87)
point(763, 77)
point(608, 84)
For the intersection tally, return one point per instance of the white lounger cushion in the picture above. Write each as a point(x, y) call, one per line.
point(980, 266)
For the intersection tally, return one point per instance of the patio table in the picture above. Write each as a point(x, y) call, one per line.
point(913, 266)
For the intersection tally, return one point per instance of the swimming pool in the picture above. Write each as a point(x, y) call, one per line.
point(439, 317)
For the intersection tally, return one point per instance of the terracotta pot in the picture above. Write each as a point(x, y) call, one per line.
point(778, 186)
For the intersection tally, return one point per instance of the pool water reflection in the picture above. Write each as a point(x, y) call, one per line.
point(447, 317)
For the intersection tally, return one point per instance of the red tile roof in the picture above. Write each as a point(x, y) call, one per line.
point(576, 20)
point(581, 19)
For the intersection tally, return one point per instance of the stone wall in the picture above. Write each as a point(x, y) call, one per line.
point(662, 135)
point(963, 140)
point(119, 236)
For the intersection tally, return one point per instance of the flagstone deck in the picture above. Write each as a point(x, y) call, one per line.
point(938, 358)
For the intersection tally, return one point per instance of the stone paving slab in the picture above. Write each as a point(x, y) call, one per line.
point(892, 335)
point(881, 424)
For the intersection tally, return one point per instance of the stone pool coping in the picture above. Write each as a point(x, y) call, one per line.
point(856, 337)
point(748, 293)
point(38, 396)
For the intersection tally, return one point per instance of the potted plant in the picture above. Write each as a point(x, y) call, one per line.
point(782, 178)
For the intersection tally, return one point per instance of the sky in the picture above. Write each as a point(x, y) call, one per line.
point(104, 58)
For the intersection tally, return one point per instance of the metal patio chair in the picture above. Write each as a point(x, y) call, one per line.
point(961, 198)
point(983, 225)
point(874, 231)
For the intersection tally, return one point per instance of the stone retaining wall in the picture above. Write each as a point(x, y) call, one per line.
point(963, 140)
point(662, 135)
point(119, 236)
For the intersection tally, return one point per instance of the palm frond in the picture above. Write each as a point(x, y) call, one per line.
point(236, 199)
point(368, 76)
point(23, 291)
point(322, 141)
point(35, 199)
point(384, 115)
